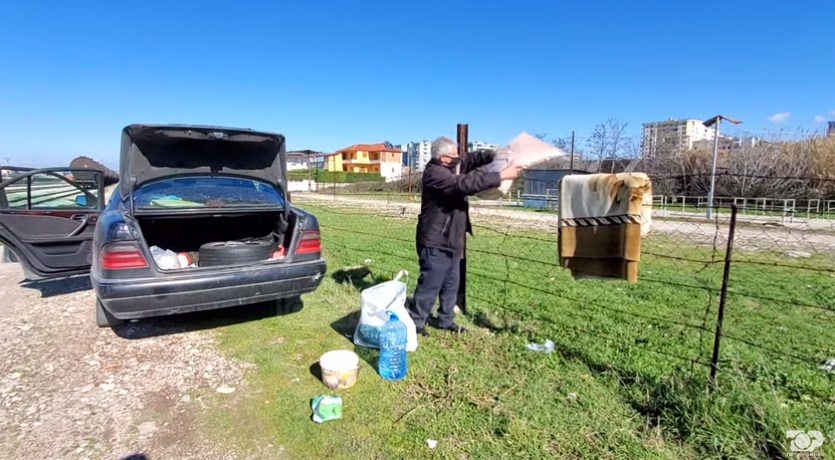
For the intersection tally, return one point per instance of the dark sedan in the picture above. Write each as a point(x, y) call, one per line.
point(200, 219)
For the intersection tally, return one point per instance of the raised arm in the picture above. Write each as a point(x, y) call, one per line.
point(448, 183)
point(477, 159)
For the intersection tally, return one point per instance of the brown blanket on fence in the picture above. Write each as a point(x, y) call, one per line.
point(602, 220)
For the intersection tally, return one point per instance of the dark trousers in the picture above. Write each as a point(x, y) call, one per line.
point(439, 275)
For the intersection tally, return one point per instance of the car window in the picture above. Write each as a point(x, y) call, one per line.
point(212, 192)
point(53, 190)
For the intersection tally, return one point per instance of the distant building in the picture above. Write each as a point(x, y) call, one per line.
point(304, 159)
point(416, 154)
point(830, 129)
point(728, 144)
point(672, 137)
point(477, 145)
point(382, 158)
point(542, 186)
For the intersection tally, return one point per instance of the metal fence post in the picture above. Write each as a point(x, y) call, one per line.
point(714, 361)
point(462, 284)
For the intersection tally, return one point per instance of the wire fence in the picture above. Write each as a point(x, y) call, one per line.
point(779, 295)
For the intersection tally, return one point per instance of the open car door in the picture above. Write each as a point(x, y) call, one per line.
point(47, 218)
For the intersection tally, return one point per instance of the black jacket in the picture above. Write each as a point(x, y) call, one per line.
point(444, 211)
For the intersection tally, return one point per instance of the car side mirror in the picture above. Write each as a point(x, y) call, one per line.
point(81, 200)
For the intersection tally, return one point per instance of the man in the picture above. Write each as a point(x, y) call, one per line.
point(443, 221)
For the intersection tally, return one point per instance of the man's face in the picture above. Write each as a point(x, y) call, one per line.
point(450, 157)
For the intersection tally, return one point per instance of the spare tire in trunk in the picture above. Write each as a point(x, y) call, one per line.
point(235, 252)
point(189, 233)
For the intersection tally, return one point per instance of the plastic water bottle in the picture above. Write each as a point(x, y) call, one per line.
point(392, 365)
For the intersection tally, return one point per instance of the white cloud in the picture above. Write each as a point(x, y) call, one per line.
point(832, 113)
point(820, 119)
point(780, 117)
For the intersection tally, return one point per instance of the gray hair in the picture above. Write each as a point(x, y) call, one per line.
point(442, 146)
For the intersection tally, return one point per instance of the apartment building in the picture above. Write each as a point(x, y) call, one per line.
point(478, 145)
point(673, 136)
point(417, 154)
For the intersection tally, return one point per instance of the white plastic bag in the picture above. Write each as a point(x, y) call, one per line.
point(377, 301)
point(527, 151)
point(166, 259)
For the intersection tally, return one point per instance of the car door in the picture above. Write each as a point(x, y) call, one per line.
point(47, 217)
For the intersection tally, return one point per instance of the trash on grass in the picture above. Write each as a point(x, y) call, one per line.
point(546, 347)
point(432, 443)
point(223, 389)
point(326, 407)
point(829, 366)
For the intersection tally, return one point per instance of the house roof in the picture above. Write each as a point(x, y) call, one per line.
point(305, 154)
point(378, 147)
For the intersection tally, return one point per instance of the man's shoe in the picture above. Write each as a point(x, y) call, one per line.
point(453, 328)
point(422, 331)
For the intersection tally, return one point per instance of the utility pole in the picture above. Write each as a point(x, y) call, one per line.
point(715, 120)
point(410, 161)
point(571, 168)
point(309, 157)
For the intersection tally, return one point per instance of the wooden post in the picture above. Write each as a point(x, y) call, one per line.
point(462, 285)
point(723, 295)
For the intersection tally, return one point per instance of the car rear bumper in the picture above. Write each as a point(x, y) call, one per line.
point(183, 293)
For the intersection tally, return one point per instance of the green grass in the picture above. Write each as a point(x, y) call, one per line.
point(384, 196)
point(634, 355)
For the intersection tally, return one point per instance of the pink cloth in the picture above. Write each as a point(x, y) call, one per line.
point(527, 151)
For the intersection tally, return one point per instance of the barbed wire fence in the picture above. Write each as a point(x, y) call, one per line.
point(779, 294)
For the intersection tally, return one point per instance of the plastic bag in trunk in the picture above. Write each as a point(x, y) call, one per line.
point(527, 151)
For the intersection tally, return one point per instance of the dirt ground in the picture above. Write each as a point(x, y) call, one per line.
point(72, 390)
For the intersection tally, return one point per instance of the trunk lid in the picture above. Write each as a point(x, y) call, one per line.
point(151, 152)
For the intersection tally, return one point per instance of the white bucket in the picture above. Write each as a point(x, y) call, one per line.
point(340, 369)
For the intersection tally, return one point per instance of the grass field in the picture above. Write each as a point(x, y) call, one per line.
point(627, 380)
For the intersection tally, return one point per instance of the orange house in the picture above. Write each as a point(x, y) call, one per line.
point(365, 158)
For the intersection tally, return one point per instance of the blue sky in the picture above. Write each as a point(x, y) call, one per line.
point(330, 74)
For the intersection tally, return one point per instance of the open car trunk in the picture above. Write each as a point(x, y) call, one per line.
point(238, 238)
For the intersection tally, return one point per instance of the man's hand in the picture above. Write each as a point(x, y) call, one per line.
point(511, 171)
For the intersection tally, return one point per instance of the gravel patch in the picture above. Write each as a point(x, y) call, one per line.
point(72, 390)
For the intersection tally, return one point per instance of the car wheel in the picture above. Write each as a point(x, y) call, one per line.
point(235, 252)
point(104, 318)
point(288, 305)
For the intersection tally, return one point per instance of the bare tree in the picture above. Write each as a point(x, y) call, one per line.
point(562, 143)
point(598, 143)
point(617, 142)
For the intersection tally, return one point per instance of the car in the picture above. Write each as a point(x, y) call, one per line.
point(200, 219)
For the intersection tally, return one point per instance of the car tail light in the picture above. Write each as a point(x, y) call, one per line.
point(120, 256)
point(309, 242)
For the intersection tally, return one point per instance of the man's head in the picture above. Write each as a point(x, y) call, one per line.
point(445, 150)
